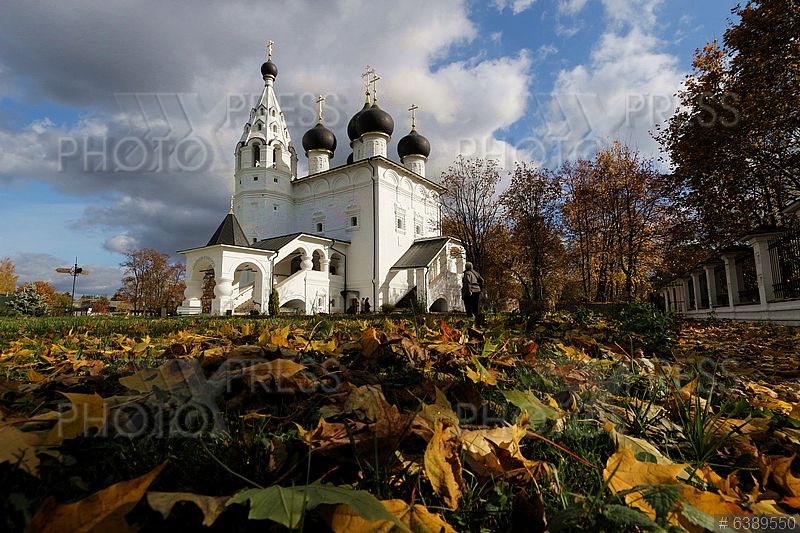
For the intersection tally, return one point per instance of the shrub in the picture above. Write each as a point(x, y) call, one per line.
point(655, 331)
point(387, 308)
point(274, 306)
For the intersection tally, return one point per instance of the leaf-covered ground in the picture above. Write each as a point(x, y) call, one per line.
point(557, 422)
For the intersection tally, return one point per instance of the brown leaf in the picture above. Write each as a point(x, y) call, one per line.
point(169, 375)
point(443, 465)
point(103, 511)
point(782, 475)
point(87, 411)
point(369, 341)
point(624, 472)
point(211, 506)
point(18, 447)
point(416, 517)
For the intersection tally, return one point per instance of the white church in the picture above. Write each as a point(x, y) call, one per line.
point(365, 229)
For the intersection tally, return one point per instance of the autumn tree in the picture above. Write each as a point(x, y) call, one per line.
point(532, 207)
point(8, 280)
point(151, 282)
point(471, 213)
point(614, 215)
point(733, 142)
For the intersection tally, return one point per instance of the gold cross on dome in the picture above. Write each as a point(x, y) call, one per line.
point(368, 71)
point(270, 44)
point(413, 108)
point(231, 205)
point(374, 82)
point(320, 100)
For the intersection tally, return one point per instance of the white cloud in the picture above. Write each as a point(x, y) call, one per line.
point(517, 6)
point(625, 89)
point(121, 243)
point(571, 7)
point(177, 84)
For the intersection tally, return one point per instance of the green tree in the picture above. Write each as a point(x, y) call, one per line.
point(733, 142)
point(28, 301)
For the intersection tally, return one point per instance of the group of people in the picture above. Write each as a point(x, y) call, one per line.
point(359, 307)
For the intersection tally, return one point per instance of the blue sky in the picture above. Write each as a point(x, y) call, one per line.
point(543, 80)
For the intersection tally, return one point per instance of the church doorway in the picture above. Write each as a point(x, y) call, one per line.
point(247, 289)
point(440, 306)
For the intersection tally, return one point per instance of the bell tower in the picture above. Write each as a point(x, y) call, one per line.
point(265, 165)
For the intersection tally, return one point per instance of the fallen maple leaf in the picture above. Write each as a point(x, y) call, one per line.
point(417, 518)
point(87, 411)
point(18, 447)
point(210, 506)
point(443, 465)
point(102, 511)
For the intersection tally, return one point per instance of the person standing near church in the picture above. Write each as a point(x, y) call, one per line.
point(367, 307)
point(471, 287)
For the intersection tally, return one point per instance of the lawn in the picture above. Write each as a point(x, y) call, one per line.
point(559, 422)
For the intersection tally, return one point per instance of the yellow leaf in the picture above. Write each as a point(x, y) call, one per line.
point(324, 346)
point(443, 465)
point(369, 341)
point(17, 447)
point(87, 411)
point(102, 511)
point(277, 369)
point(482, 375)
point(782, 475)
point(210, 506)
point(165, 377)
point(416, 517)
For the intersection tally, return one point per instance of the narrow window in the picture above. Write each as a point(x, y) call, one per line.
point(255, 239)
point(255, 178)
point(256, 155)
point(275, 180)
point(260, 126)
point(319, 226)
point(354, 221)
point(274, 207)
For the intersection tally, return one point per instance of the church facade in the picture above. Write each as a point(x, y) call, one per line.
point(325, 241)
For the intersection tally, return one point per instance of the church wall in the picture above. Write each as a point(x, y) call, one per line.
point(333, 200)
point(405, 208)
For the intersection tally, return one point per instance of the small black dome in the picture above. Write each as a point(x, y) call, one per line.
point(352, 127)
point(319, 138)
point(269, 69)
point(413, 144)
point(350, 158)
point(374, 120)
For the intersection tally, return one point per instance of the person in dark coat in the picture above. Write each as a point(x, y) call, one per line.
point(367, 306)
point(471, 287)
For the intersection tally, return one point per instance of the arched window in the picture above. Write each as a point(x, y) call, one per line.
point(274, 128)
point(276, 154)
point(260, 125)
point(256, 155)
point(273, 111)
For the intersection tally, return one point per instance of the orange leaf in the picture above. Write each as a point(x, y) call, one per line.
point(102, 511)
point(443, 465)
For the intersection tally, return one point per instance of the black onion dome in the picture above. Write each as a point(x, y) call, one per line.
point(413, 144)
point(374, 120)
point(319, 138)
point(352, 127)
point(269, 69)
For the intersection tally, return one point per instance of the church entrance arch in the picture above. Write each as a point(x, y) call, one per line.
point(248, 288)
point(440, 306)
